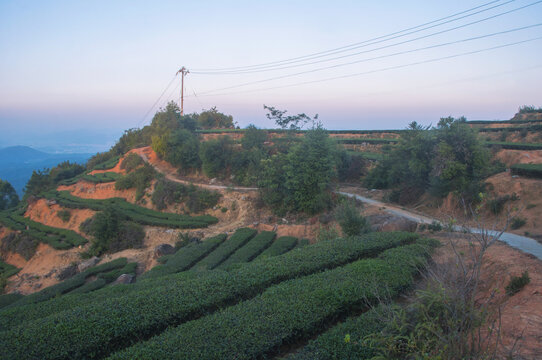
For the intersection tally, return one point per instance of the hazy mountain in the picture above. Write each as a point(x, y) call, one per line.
point(18, 162)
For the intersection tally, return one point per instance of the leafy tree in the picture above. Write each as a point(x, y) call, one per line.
point(291, 122)
point(253, 138)
point(8, 196)
point(213, 119)
point(216, 156)
point(169, 119)
point(299, 181)
point(104, 228)
point(65, 170)
point(182, 149)
point(350, 220)
point(38, 182)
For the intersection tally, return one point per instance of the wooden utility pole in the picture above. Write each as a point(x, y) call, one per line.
point(183, 72)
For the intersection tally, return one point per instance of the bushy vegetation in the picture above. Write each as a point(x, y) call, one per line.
point(64, 215)
point(186, 257)
point(8, 196)
point(6, 270)
point(300, 180)
point(448, 158)
point(111, 234)
point(528, 170)
point(131, 162)
point(514, 146)
point(140, 179)
point(194, 198)
point(251, 249)
point(132, 212)
point(350, 219)
point(285, 312)
point(517, 283)
point(98, 328)
point(43, 180)
point(517, 222)
point(226, 249)
point(280, 246)
point(527, 109)
point(58, 238)
point(19, 243)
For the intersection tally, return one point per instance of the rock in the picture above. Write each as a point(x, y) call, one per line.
point(51, 202)
point(88, 263)
point(243, 198)
point(124, 279)
point(36, 286)
point(391, 223)
point(67, 272)
point(163, 249)
point(212, 181)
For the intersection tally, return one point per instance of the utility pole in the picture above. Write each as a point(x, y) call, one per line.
point(183, 72)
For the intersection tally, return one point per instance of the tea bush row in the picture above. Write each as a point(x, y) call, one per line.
point(284, 313)
point(251, 249)
point(280, 246)
point(98, 328)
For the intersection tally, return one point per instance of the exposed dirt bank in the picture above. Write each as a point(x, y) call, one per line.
point(44, 212)
point(88, 190)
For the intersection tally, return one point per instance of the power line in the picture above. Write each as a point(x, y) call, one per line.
point(373, 58)
point(383, 69)
point(351, 46)
point(156, 102)
point(390, 45)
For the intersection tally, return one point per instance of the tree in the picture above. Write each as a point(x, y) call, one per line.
point(183, 150)
point(38, 182)
point(216, 156)
point(300, 180)
point(253, 138)
point(169, 119)
point(350, 220)
point(8, 196)
point(213, 119)
point(291, 122)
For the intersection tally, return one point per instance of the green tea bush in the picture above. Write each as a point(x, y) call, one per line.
point(8, 299)
point(139, 179)
point(64, 215)
point(186, 257)
point(280, 246)
point(99, 327)
point(284, 313)
point(528, 170)
point(226, 249)
point(251, 249)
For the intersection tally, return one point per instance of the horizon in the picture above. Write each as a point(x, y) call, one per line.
point(75, 76)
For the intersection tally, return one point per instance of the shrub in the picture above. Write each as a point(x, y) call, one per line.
point(284, 313)
point(20, 243)
point(196, 199)
point(131, 162)
point(517, 222)
point(350, 220)
point(139, 179)
point(252, 249)
point(64, 215)
point(517, 283)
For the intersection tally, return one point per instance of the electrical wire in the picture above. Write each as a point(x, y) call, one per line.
point(351, 46)
point(156, 102)
point(383, 69)
point(373, 58)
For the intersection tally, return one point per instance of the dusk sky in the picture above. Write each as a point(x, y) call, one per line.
point(80, 72)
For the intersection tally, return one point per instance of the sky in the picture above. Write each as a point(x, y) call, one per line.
point(75, 74)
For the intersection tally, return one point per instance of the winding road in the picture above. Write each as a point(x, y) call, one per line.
point(519, 242)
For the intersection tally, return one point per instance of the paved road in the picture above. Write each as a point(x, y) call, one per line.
point(522, 243)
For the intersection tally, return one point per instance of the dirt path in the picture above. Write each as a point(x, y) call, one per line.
point(170, 173)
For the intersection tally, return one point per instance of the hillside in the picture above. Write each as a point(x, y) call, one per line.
point(138, 257)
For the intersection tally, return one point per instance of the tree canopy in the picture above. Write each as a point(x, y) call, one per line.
point(8, 196)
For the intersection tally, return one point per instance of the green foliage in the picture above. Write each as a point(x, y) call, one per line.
point(169, 119)
point(113, 235)
point(326, 233)
point(216, 156)
point(213, 119)
point(345, 340)
point(280, 246)
point(8, 299)
point(448, 158)
point(65, 170)
point(139, 179)
point(6, 270)
point(251, 249)
point(186, 257)
point(64, 215)
point(103, 161)
point(253, 138)
point(195, 199)
point(300, 181)
point(8, 196)
point(132, 212)
point(180, 148)
point(496, 204)
point(74, 326)
point(351, 165)
point(527, 109)
point(19, 243)
point(350, 219)
point(246, 165)
point(514, 145)
point(528, 170)
point(131, 162)
point(226, 249)
point(284, 313)
point(61, 239)
point(517, 283)
point(39, 181)
point(517, 222)
point(291, 122)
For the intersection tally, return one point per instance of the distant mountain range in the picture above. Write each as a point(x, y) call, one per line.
point(18, 162)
